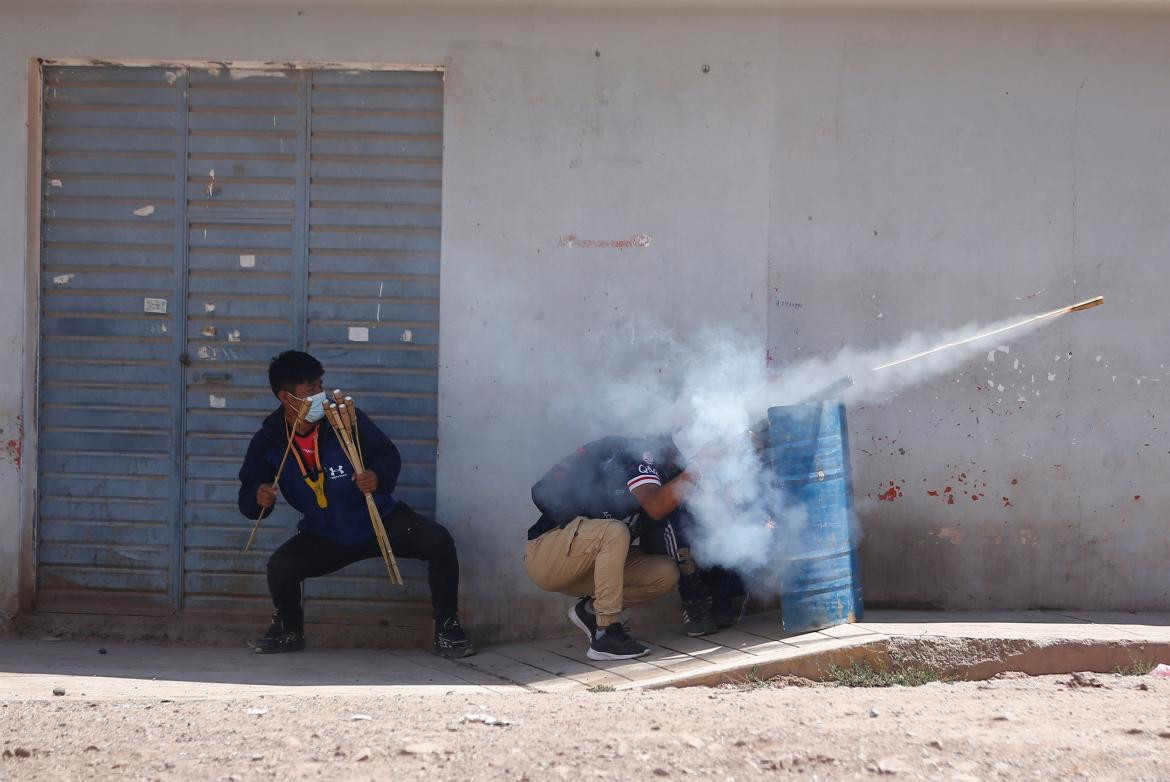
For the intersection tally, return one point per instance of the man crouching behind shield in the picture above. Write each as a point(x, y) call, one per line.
point(593, 504)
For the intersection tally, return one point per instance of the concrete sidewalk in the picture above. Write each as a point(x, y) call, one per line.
point(1033, 641)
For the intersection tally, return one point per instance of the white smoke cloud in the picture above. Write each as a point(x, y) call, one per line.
point(712, 387)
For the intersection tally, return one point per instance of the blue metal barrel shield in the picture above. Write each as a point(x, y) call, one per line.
point(820, 581)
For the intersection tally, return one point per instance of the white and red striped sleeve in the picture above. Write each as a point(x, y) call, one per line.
point(646, 475)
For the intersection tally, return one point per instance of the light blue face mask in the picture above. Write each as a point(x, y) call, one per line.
point(316, 406)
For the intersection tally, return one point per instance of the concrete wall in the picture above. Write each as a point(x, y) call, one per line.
point(885, 171)
point(942, 170)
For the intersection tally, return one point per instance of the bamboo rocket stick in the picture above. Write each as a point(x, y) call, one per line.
point(301, 413)
point(345, 403)
point(348, 415)
point(353, 421)
point(1078, 307)
point(339, 420)
point(760, 431)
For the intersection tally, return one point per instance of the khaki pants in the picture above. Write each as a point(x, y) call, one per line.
point(593, 557)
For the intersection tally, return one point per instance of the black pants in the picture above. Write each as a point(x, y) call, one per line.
point(412, 536)
point(666, 536)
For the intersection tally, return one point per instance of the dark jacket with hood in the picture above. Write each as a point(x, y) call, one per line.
point(346, 520)
point(597, 481)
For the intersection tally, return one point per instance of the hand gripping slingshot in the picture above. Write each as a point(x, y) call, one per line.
point(342, 416)
point(301, 413)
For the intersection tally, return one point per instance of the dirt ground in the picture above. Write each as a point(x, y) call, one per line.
point(1050, 727)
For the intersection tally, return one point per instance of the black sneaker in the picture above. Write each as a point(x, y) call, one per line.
point(724, 613)
point(697, 619)
point(580, 616)
point(616, 644)
point(282, 636)
point(450, 640)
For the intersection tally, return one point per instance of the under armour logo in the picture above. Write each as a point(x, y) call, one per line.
point(336, 472)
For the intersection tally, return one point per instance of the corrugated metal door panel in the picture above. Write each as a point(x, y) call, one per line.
point(373, 289)
point(246, 191)
point(107, 472)
point(246, 137)
point(193, 188)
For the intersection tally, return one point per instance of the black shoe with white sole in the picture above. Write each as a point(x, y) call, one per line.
point(615, 644)
point(585, 620)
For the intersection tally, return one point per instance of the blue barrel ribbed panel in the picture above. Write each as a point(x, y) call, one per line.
point(809, 459)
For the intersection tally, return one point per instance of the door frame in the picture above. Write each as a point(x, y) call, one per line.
point(28, 464)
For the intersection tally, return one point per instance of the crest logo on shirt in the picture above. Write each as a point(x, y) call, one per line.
point(336, 472)
point(647, 457)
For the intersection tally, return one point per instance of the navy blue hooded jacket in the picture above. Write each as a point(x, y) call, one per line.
point(597, 480)
point(346, 520)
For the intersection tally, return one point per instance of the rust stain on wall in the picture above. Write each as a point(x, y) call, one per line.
point(894, 492)
point(14, 446)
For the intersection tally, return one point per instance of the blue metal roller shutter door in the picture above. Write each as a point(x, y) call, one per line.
point(267, 158)
point(106, 530)
point(245, 194)
point(373, 292)
point(277, 272)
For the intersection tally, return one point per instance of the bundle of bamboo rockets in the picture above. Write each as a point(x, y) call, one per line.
point(341, 414)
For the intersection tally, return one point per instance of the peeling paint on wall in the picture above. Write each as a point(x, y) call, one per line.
point(1000, 349)
point(949, 534)
point(247, 73)
point(637, 240)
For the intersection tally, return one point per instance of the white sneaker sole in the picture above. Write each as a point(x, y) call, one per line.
point(593, 654)
point(576, 620)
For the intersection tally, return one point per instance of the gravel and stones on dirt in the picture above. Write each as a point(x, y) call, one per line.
point(1010, 728)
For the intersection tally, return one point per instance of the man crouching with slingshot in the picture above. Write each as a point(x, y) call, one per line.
point(338, 504)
